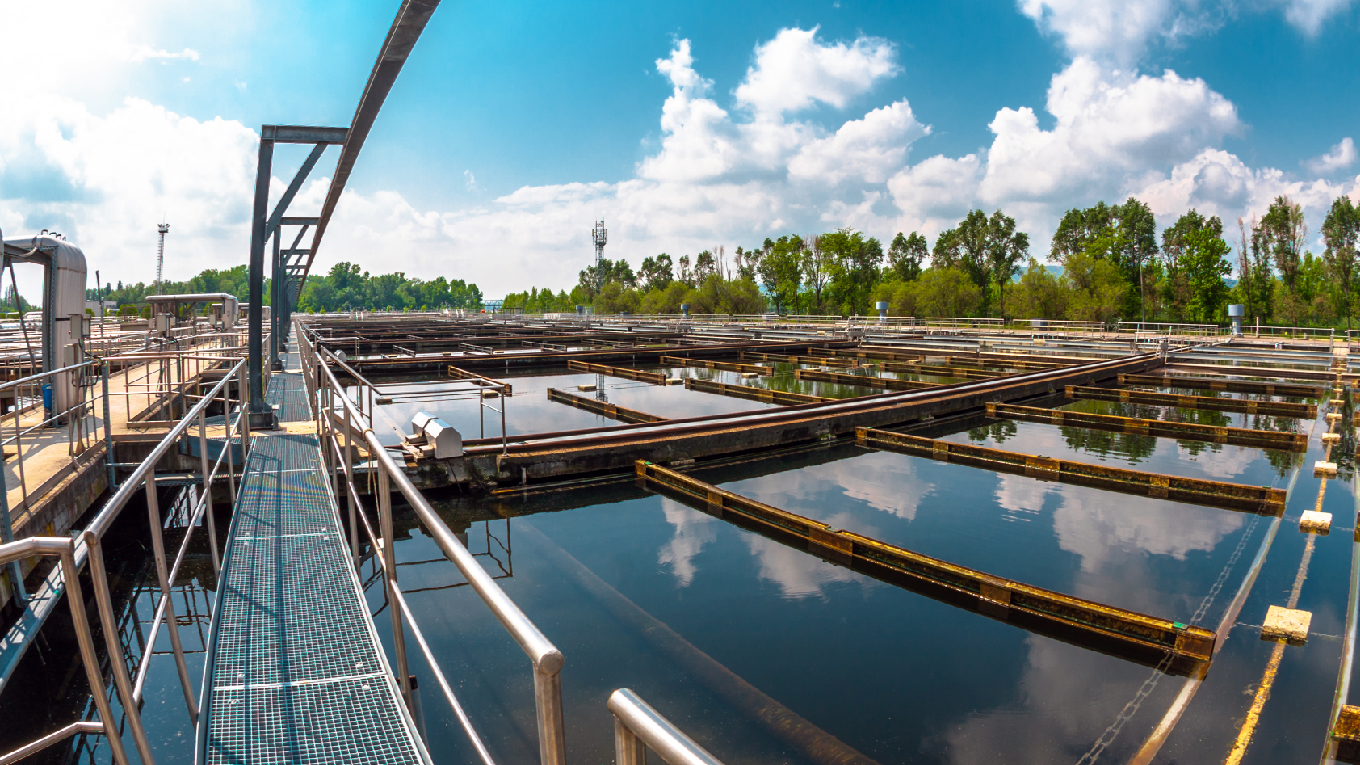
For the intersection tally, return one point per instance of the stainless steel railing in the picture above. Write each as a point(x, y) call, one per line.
point(74, 552)
point(340, 426)
point(638, 727)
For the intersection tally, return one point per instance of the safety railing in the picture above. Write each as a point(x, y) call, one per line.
point(87, 546)
point(638, 727)
point(64, 548)
point(1169, 328)
point(343, 428)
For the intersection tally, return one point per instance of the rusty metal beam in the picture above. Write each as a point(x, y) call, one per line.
point(939, 371)
point(614, 411)
point(655, 378)
point(994, 596)
point(727, 366)
point(825, 361)
point(864, 381)
point(1268, 439)
point(462, 374)
point(1206, 403)
point(1262, 500)
point(753, 394)
point(1232, 386)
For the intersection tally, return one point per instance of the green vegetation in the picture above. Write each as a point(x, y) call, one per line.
point(1114, 266)
point(345, 287)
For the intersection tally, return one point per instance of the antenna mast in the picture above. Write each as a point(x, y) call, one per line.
point(162, 229)
point(598, 234)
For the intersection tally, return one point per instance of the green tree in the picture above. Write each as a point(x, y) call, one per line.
point(780, 270)
point(1340, 230)
point(1078, 229)
point(1135, 245)
point(1255, 282)
point(853, 266)
point(1177, 291)
point(1006, 247)
point(816, 266)
point(1205, 261)
point(1285, 231)
point(906, 254)
point(655, 272)
point(946, 293)
point(1097, 288)
point(1040, 294)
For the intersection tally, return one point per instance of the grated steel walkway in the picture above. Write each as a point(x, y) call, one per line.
point(296, 671)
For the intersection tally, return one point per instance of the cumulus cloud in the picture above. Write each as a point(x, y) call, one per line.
point(1340, 157)
point(795, 70)
point(1119, 32)
point(1109, 124)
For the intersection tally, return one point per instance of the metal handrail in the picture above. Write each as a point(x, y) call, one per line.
point(64, 548)
point(638, 726)
point(547, 661)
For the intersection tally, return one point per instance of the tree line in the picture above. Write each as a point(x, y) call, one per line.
point(345, 287)
point(1112, 264)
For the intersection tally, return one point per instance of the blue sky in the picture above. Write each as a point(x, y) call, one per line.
point(685, 125)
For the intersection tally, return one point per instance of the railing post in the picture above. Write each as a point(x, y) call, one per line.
point(172, 624)
point(70, 575)
point(628, 748)
point(390, 564)
point(117, 664)
point(552, 739)
point(230, 444)
point(207, 489)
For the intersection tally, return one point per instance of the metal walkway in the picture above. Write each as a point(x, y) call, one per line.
point(296, 671)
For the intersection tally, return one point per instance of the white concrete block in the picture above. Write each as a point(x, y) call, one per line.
point(1315, 521)
point(1286, 624)
point(1331, 438)
point(1324, 468)
point(587, 388)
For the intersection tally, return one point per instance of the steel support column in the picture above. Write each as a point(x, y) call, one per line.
point(257, 240)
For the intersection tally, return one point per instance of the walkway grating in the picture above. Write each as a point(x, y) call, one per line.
point(296, 670)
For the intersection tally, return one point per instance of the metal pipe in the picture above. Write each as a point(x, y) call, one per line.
point(109, 626)
point(637, 723)
point(158, 548)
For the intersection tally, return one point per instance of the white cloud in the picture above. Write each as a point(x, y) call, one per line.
point(1109, 124)
point(1308, 15)
point(1119, 32)
point(1113, 29)
point(1340, 157)
point(863, 149)
point(794, 71)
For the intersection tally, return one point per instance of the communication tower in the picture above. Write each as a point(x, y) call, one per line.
point(162, 229)
point(598, 234)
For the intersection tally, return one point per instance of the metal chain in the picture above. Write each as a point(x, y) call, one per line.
point(1145, 690)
